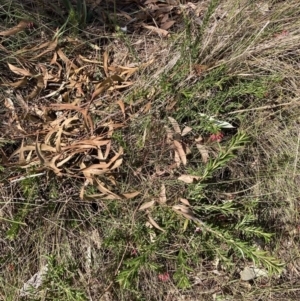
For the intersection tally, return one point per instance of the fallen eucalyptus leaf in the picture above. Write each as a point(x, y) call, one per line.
point(147, 205)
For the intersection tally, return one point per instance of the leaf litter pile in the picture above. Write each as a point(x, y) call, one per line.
point(55, 113)
point(59, 117)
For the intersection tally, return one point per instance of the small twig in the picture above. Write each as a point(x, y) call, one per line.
point(293, 102)
point(28, 177)
point(297, 152)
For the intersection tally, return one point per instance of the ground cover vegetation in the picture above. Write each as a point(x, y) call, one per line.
point(149, 150)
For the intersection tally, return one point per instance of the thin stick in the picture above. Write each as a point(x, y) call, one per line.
point(265, 107)
point(297, 152)
point(28, 177)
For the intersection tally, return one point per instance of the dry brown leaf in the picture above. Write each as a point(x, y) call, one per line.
point(169, 134)
point(122, 106)
point(105, 63)
point(41, 46)
point(54, 60)
point(177, 159)
point(97, 141)
point(203, 151)
point(27, 148)
point(62, 162)
point(147, 107)
point(155, 224)
point(162, 196)
point(166, 25)
point(21, 156)
point(111, 126)
point(171, 105)
point(20, 128)
point(20, 83)
point(129, 71)
point(39, 153)
point(58, 140)
point(45, 162)
point(199, 69)
point(86, 174)
point(188, 150)
point(87, 118)
point(52, 165)
point(199, 139)
point(164, 19)
point(107, 151)
point(51, 47)
point(185, 211)
point(106, 191)
point(81, 194)
point(131, 195)
point(125, 72)
point(21, 151)
point(175, 125)
point(189, 178)
point(19, 71)
point(116, 156)
point(21, 26)
point(117, 164)
point(88, 60)
point(81, 148)
point(103, 86)
point(186, 130)
point(157, 30)
point(150, 1)
point(180, 151)
point(184, 201)
point(147, 205)
point(95, 169)
point(9, 104)
point(122, 86)
point(37, 89)
point(68, 63)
